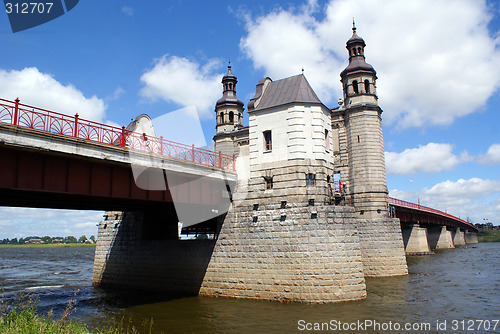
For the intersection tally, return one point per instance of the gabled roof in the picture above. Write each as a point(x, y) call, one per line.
point(289, 90)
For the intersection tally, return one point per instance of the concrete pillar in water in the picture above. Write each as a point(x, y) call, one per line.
point(141, 250)
point(439, 237)
point(471, 237)
point(458, 236)
point(415, 240)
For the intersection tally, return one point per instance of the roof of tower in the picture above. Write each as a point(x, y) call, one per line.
point(229, 95)
point(288, 90)
point(229, 74)
point(355, 38)
point(356, 62)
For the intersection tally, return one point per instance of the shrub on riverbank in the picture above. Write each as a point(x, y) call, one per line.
point(488, 236)
point(21, 317)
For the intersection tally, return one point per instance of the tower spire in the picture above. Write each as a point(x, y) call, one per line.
point(353, 26)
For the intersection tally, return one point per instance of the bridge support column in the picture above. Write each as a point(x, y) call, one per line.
point(458, 236)
point(471, 237)
point(305, 254)
point(382, 247)
point(439, 237)
point(415, 240)
point(141, 250)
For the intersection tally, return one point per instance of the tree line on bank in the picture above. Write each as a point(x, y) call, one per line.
point(48, 240)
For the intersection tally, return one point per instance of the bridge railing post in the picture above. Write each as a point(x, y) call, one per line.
point(122, 139)
point(161, 145)
point(220, 159)
point(16, 112)
point(192, 152)
point(75, 130)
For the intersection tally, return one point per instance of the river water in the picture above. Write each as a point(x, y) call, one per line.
point(449, 292)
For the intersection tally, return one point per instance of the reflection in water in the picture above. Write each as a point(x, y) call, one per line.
point(457, 284)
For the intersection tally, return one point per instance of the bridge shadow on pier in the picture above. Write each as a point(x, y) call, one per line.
point(140, 259)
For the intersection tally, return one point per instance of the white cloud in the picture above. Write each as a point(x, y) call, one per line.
point(435, 59)
point(42, 90)
point(23, 222)
point(492, 156)
point(184, 82)
point(430, 158)
point(129, 11)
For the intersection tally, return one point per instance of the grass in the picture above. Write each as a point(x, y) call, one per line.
point(488, 236)
point(21, 317)
point(48, 245)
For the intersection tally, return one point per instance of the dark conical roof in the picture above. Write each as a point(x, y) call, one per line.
point(357, 59)
point(229, 82)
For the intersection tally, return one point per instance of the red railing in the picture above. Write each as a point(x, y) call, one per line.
point(18, 114)
point(405, 204)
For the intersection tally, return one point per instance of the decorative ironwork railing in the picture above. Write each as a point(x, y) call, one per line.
point(405, 204)
point(22, 115)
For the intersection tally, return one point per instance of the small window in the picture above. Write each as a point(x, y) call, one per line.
point(269, 183)
point(355, 86)
point(255, 207)
point(283, 204)
point(231, 117)
point(310, 179)
point(311, 202)
point(327, 141)
point(221, 117)
point(367, 86)
point(268, 142)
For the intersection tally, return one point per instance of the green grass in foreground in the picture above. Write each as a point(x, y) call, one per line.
point(21, 317)
point(49, 245)
point(488, 236)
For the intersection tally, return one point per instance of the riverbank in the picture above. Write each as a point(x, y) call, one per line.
point(75, 245)
point(21, 317)
point(488, 236)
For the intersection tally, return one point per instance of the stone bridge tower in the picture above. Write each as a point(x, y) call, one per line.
point(229, 115)
point(364, 175)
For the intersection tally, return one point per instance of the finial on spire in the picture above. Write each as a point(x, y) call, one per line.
point(302, 70)
point(229, 66)
point(353, 26)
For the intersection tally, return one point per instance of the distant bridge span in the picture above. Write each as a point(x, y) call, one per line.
point(411, 213)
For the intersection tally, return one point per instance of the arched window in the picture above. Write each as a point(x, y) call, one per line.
point(221, 117)
point(355, 86)
point(231, 117)
point(367, 86)
point(359, 50)
point(354, 51)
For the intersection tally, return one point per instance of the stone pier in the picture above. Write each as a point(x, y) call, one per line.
point(470, 237)
point(439, 237)
point(458, 237)
point(306, 254)
point(137, 250)
point(415, 240)
point(382, 248)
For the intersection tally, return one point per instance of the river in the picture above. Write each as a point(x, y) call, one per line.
point(450, 292)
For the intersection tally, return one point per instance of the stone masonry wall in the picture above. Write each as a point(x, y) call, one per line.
point(382, 247)
point(124, 259)
point(295, 254)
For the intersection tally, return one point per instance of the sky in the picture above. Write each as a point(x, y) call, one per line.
point(437, 61)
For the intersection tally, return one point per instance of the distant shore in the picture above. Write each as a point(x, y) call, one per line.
point(488, 236)
point(48, 245)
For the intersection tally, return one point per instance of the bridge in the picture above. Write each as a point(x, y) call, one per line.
point(52, 160)
point(147, 185)
point(425, 229)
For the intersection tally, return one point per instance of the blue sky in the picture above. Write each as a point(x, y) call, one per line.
point(438, 64)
